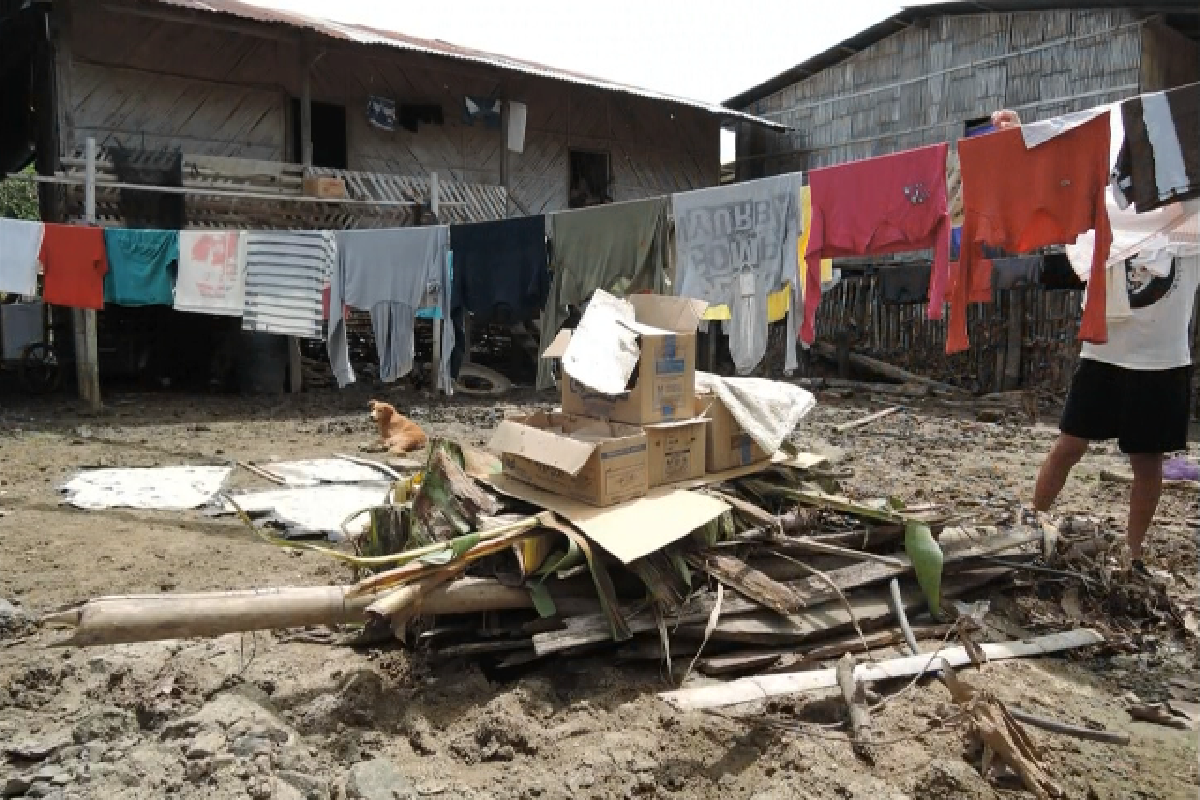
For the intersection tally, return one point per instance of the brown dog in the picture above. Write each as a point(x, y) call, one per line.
point(399, 433)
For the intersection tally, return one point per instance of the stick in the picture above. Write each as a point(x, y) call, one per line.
point(391, 604)
point(867, 420)
point(833, 549)
point(366, 462)
point(747, 690)
point(1066, 729)
point(262, 473)
point(898, 608)
point(855, 695)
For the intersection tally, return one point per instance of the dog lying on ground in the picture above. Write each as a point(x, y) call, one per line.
point(399, 433)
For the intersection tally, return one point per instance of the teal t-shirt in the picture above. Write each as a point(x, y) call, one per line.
point(139, 266)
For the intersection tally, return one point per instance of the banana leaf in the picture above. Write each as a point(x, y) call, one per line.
point(926, 556)
point(449, 503)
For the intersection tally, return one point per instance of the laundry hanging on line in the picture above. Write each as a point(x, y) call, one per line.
point(1159, 162)
point(883, 205)
point(621, 248)
point(734, 246)
point(1022, 199)
point(389, 273)
point(211, 278)
point(20, 244)
point(285, 273)
point(140, 266)
point(74, 264)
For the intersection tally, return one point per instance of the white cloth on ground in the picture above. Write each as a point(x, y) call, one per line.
point(212, 273)
point(286, 273)
point(20, 243)
point(390, 273)
point(767, 410)
point(735, 245)
point(156, 488)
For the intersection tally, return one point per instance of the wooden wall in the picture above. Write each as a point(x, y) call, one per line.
point(920, 86)
point(153, 83)
point(1169, 58)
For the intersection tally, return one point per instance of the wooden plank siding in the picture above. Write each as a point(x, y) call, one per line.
point(154, 83)
point(920, 86)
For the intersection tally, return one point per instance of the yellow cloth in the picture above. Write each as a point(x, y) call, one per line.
point(778, 304)
point(802, 243)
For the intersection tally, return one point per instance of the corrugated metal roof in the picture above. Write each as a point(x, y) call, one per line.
point(1180, 14)
point(362, 34)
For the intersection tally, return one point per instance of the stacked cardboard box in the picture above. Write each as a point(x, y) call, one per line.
point(656, 417)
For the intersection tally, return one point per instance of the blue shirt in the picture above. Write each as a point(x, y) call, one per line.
point(139, 266)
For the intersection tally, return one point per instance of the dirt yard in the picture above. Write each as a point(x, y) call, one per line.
point(274, 715)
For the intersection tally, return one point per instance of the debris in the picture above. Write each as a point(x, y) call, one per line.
point(150, 488)
point(1066, 729)
point(867, 420)
point(927, 560)
point(749, 582)
point(746, 690)
point(329, 510)
point(378, 779)
point(1001, 735)
point(317, 471)
point(1164, 714)
point(854, 693)
point(901, 617)
point(884, 370)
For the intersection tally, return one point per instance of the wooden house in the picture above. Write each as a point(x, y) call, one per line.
point(927, 75)
point(255, 102)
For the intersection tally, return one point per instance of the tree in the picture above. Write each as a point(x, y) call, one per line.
point(18, 198)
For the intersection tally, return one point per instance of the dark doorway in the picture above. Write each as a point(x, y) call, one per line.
point(589, 179)
point(328, 134)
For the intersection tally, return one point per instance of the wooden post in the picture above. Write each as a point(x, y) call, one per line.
point(504, 162)
point(1016, 330)
point(436, 359)
point(87, 368)
point(295, 363)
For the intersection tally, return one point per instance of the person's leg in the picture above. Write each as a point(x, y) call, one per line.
point(1143, 499)
point(1053, 475)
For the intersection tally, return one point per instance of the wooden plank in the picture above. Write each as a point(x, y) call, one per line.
point(747, 581)
point(748, 690)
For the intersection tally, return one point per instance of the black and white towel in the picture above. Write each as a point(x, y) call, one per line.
point(286, 272)
point(1159, 163)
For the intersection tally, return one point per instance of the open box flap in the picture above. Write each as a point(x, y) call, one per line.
point(552, 449)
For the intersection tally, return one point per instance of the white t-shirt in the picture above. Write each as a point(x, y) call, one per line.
point(1155, 335)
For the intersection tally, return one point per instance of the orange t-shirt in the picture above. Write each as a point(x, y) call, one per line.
point(1021, 199)
point(74, 263)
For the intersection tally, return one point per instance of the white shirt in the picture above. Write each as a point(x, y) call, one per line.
point(20, 243)
point(1155, 335)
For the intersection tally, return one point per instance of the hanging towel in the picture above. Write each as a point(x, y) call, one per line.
point(889, 204)
point(735, 245)
point(140, 263)
point(212, 273)
point(74, 264)
point(20, 243)
point(502, 270)
point(1022, 199)
point(390, 273)
point(285, 272)
point(619, 247)
point(1016, 273)
point(1160, 160)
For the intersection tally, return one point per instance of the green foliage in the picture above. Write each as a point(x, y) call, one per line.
point(19, 199)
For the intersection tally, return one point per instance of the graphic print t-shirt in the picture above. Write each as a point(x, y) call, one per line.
point(1156, 335)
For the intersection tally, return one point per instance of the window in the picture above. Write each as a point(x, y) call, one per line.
point(589, 179)
point(328, 134)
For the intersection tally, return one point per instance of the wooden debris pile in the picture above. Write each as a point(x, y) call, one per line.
point(794, 573)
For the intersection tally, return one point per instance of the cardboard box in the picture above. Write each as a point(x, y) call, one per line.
point(727, 445)
point(324, 187)
point(596, 462)
point(663, 384)
point(676, 451)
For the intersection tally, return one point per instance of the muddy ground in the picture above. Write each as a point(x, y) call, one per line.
point(272, 715)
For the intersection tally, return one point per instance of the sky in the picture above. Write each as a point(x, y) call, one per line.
point(699, 49)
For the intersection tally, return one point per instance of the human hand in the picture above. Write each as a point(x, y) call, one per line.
point(1005, 119)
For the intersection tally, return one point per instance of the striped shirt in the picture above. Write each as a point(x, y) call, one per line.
point(285, 274)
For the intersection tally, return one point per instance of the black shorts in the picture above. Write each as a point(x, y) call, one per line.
point(1146, 411)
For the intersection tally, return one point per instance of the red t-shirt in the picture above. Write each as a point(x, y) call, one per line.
point(1020, 199)
point(75, 265)
point(887, 204)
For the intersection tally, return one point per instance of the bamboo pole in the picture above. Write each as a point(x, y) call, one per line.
point(148, 618)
